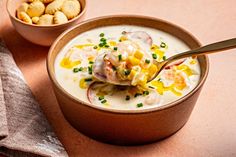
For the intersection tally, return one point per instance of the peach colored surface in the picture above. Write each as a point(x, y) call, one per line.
point(211, 129)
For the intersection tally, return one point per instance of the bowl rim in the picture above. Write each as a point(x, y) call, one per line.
point(47, 26)
point(120, 111)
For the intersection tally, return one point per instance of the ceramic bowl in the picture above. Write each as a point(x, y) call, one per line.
point(129, 127)
point(41, 35)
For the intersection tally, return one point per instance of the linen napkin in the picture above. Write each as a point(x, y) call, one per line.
point(24, 130)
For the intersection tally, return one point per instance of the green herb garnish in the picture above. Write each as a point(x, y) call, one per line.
point(103, 101)
point(127, 71)
point(101, 34)
point(115, 48)
point(164, 58)
point(90, 70)
point(75, 70)
point(163, 45)
point(119, 57)
point(100, 97)
point(101, 44)
point(103, 40)
point(151, 87)
point(123, 32)
point(107, 46)
point(88, 79)
point(91, 62)
point(145, 92)
point(137, 94)
point(154, 56)
point(95, 47)
point(127, 97)
point(140, 105)
point(147, 61)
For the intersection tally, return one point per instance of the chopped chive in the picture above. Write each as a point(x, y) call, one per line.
point(75, 70)
point(127, 71)
point(123, 32)
point(151, 87)
point(95, 47)
point(127, 97)
point(115, 48)
point(107, 46)
point(91, 62)
point(101, 34)
point(103, 101)
point(90, 70)
point(164, 58)
point(147, 61)
point(154, 56)
point(100, 44)
point(145, 92)
point(88, 79)
point(81, 69)
point(137, 94)
point(159, 79)
point(120, 40)
point(100, 97)
point(103, 39)
point(120, 57)
point(114, 68)
point(140, 105)
point(163, 45)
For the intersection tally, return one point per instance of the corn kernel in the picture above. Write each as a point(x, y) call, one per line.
point(123, 38)
point(160, 54)
point(112, 43)
point(138, 55)
point(152, 70)
point(133, 61)
point(83, 84)
point(132, 74)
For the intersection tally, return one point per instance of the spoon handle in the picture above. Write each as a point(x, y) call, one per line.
point(211, 48)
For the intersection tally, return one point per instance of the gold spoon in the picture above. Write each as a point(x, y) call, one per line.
point(207, 49)
point(211, 48)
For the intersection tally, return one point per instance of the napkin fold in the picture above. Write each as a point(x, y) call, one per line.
point(24, 130)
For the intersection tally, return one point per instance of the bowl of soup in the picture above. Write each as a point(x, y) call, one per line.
point(124, 48)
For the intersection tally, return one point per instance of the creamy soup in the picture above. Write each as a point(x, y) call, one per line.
point(130, 51)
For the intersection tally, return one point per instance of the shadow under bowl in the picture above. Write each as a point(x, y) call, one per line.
point(126, 127)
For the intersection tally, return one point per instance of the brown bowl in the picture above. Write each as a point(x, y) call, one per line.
point(41, 35)
point(130, 126)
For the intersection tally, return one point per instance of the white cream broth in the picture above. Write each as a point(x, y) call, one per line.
point(170, 85)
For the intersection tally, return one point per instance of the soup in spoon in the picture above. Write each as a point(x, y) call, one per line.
point(124, 55)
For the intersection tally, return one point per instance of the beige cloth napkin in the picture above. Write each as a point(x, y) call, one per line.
point(24, 130)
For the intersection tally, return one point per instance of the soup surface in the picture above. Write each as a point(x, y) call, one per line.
point(74, 67)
